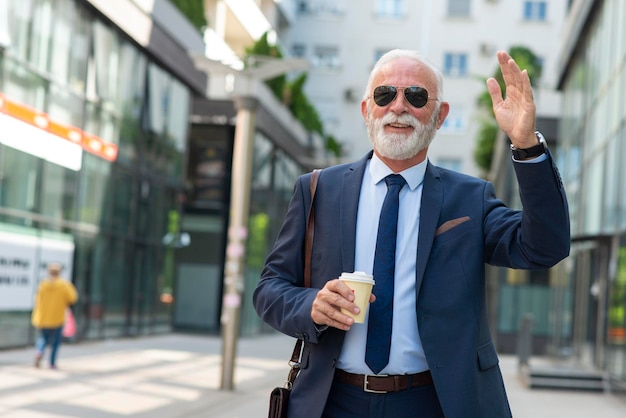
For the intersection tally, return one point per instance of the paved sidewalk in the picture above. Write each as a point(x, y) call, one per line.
point(178, 375)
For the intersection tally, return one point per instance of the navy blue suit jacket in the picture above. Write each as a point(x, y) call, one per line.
point(462, 227)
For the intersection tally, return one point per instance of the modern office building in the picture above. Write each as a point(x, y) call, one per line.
point(589, 300)
point(115, 161)
point(93, 143)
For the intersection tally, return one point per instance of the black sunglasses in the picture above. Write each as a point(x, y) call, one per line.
point(415, 95)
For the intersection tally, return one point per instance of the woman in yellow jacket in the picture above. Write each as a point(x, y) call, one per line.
point(54, 296)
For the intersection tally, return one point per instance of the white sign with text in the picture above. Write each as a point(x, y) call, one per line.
point(23, 263)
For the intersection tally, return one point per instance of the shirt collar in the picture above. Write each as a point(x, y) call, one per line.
point(414, 176)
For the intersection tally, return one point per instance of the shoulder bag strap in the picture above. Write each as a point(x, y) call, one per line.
point(294, 362)
point(310, 229)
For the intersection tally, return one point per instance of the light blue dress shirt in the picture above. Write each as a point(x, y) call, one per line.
point(407, 354)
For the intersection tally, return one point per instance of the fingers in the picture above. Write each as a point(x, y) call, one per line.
point(513, 76)
point(326, 309)
point(494, 91)
point(511, 73)
point(528, 90)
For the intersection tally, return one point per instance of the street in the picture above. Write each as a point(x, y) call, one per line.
point(178, 375)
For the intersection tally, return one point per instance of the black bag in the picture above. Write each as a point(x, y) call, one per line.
point(279, 398)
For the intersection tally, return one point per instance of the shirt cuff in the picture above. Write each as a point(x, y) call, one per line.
point(320, 328)
point(537, 159)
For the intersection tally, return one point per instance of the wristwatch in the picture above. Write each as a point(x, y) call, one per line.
point(532, 152)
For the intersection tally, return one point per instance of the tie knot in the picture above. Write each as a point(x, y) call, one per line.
point(395, 180)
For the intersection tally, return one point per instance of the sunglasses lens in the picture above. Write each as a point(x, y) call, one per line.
point(383, 95)
point(417, 96)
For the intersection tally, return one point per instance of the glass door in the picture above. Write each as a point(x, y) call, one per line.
point(590, 301)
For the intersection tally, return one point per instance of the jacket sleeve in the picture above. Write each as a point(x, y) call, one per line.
point(72, 294)
point(280, 297)
point(537, 237)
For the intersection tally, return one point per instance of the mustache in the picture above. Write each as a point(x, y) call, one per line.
point(404, 119)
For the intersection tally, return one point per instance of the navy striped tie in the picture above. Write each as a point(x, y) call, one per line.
point(381, 311)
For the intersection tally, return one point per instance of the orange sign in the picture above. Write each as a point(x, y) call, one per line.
point(89, 142)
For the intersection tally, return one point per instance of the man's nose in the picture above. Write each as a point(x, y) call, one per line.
point(399, 104)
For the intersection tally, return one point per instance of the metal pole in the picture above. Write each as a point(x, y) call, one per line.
point(237, 234)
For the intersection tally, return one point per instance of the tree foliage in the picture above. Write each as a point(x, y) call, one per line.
point(297, 101)
point(193, 10)
point(488, 131)
point(262, 47)
point(483, 153)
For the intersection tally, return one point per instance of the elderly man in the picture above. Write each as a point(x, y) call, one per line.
point(425, 233)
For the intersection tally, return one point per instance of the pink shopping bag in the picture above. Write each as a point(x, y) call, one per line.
point(69, 327)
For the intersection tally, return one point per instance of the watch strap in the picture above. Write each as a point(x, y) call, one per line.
point(532, 152)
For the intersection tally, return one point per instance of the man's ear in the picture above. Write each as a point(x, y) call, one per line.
point(364, 109)
point(444, 108)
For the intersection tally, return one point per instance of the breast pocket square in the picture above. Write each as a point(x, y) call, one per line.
point(448, 225)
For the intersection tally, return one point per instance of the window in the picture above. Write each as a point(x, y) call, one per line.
point(326, 57)
point(5, 36)
point(456, 121)
point(459, 8)
point(19, 176)
point(130, 100)
point(57, 192)
point(535, 10)
point(303, 7)
point(298, 50)
point(23, 85)
point(92, 192)
point(455, 64)
point(70, 43)
point(390, 8)
point(321, 7)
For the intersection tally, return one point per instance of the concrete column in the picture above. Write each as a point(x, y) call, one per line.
point(237, 233)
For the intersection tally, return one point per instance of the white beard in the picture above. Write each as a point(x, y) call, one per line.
point(398, 146)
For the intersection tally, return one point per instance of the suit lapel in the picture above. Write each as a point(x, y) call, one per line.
point(350, 191)
point(430, 208)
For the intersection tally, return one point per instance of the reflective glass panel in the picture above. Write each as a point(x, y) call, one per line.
point(58, 186)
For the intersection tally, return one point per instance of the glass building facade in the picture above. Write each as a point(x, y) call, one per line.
point(592, 286)
point(114, 163)
point(578, 308)
point(93, 144)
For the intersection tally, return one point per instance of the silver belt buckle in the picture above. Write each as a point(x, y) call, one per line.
point(366, 383)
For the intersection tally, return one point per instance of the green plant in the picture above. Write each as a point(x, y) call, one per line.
point(483, 153)
point(193, 10)
point(262, 47)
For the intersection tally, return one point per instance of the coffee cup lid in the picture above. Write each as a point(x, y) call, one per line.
point(357, 276)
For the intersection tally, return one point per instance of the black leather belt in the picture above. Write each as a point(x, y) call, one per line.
point(382, 383)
